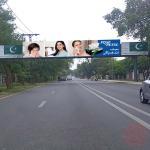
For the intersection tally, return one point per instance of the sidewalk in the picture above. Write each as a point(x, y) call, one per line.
point(121, 81)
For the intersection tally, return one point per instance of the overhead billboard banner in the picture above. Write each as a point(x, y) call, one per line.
point(64, 49)
point(134, 48)
point(76, 48)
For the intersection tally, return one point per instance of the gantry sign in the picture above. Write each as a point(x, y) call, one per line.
point(74, 49)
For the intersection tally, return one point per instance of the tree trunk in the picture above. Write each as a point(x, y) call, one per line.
point(8, 76)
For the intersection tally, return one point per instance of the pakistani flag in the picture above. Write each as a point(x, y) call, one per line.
point(139, 46)
point(12, 49)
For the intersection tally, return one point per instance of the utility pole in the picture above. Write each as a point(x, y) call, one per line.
point(29, 36)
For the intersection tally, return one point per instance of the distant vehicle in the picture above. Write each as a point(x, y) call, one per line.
point(61, 78)
point(145, 91)
point(69, 77)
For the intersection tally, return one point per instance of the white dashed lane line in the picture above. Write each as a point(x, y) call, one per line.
point(42, 104)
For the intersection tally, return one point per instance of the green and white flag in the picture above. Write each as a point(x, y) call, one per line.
point(1, 50)
point(138, 46)
point(12, 49)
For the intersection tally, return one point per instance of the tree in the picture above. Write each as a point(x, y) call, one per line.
point(6, 69)
point(7, 36)
point(119, 69)
point(33, 71)
point(98, 68)
point(134, 21)
point(143, 66)
point(7, 26)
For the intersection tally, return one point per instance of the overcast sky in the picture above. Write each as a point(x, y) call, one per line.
point(67, 19)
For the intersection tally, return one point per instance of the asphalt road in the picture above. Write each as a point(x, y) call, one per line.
point(75, 115)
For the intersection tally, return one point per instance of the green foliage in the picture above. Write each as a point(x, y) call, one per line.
point(98, 67)
point(33, 71)
point(134, 21)
point(119, 69)
point(7, 26)
point(112, 67)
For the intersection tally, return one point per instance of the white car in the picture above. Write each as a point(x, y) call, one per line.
point(145, 91)
point(69, 77)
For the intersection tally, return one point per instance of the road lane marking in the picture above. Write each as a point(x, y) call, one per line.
point(42, 104)
point(129, 115)
point(38, 86)
point(119, 101)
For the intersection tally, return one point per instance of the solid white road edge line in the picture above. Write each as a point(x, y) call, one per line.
point(129, 115)
point(119, 101)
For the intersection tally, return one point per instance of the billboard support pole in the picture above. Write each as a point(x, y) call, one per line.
point(112, 61)
point(1, 79)
point(135, 69)
point(149, 56)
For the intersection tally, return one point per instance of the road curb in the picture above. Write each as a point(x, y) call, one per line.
point(125, 82)
point(17, 93)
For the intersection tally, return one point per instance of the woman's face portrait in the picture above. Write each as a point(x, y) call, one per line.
point(78, 45)
point(60, 46)
point(35, 52)
point(78, 49)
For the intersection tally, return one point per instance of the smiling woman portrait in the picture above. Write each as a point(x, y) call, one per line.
point(61, 50)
